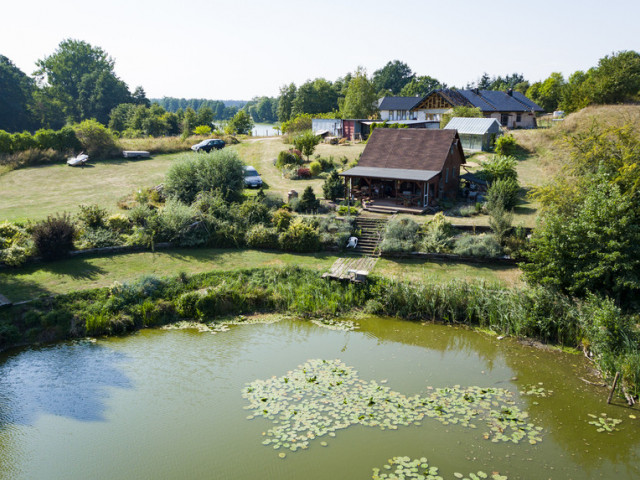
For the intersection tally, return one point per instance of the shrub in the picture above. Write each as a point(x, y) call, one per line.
point(282, 219)
point(299, 237)
point(288, 157)
point(95, 139)
point(119, 223)
point(221, 171)
point(303, 173)
point(15, 244)
point(202, 130)
point(333, 187)
point(186, 304)
point(99, 238)
point(499, 168)
point(344, 210)
point(506, 145)
point(315, 168)
point(253, 211)
point(140, 214)
point(23, 141)
point(503, 194)
point(438, 235)
point(260, 236)
point(53, 237)
point(306, 142)
point(92, 216)
point(477, 246)
point(6, 142)
point(308, 201)
point(334, 232)
point(400, 235)
point(176, 220)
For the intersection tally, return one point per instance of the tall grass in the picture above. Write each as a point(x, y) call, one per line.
point(597, 324)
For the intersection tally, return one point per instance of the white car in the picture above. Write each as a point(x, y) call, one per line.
point(252, 177)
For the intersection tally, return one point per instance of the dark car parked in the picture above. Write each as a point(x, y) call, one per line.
point(208, 145)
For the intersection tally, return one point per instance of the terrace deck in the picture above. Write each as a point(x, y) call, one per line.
point(354, 269)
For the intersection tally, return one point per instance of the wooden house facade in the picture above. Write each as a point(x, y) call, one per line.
point(411, 168)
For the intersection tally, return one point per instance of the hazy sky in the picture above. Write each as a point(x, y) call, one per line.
point(238, 49)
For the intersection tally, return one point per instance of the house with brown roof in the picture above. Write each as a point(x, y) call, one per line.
point(406, 169)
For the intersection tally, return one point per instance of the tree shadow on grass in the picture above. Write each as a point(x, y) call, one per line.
point(70, 380)
point(76, 268)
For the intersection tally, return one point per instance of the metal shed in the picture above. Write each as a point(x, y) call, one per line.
point(476, 134)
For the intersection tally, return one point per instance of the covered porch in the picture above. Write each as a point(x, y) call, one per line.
point(393, 189)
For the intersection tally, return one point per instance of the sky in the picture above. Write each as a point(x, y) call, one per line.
point(240, 49)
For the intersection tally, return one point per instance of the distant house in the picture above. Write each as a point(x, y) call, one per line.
point(511, 109)
point(406, 169)
point(476, 134)
point(359, 129)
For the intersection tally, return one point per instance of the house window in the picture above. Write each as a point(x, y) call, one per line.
point(504, 119)
point(518, 118)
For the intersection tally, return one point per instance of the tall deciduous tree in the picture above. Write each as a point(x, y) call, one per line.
point(81, 78)
point(317, 96)
point(16, 90)
point(360, 98)
point(420, 86)
point(285, 102)
point(393, 76)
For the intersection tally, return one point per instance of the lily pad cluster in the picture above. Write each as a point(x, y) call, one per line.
point(323, 396)
point(604, 423)
point(405, 468)
point(536, 391)
point(333, 324)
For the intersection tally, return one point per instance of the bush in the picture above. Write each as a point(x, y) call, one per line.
point(344, 210)
point(308, 202)
point(306, 142)
point(438, 235)
point(303, 173)
point(253, 211)
point(502, 194)
point(96, 140)
point(499, 168)
point(333, 187)
point(260, 236)
point(220, 171)
point(15, 244)
point(119, 223)
point(202, 130)
point(53, 237)
point(176, 220)
point(506, 145)
point(282, 219)
point(299, 237)
point(31, 157)
point(99, 238)
point(400, 235)
point(315, 168)
point(92, 216)
point(484, 245)
point(288, 157)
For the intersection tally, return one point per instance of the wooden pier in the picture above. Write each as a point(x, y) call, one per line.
point(354, 269)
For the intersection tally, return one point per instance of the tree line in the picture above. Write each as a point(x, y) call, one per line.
point(78, 82)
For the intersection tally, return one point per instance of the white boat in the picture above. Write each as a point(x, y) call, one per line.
point(78, 160)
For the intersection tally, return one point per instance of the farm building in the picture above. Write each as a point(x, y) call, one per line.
point(476, 134)
point(406, 169)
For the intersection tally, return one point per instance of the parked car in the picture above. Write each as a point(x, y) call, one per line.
point(208, 145)
point(252, 177)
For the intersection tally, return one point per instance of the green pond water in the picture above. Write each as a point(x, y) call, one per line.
point(169, 404)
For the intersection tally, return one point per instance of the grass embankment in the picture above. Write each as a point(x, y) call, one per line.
point(82, 273)
point(151, 301)
point(35, 192)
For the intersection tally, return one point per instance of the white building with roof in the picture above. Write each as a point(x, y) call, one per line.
point(476, 134)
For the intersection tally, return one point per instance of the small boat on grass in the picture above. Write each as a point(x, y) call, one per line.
point(78, 160)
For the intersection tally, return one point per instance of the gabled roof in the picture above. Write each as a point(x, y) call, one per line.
point(473, 126)
point(399, 103)
point(487, 100)
point(408, 149)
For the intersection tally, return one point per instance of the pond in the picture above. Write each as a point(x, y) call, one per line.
point(335, 403)
point(264, 130)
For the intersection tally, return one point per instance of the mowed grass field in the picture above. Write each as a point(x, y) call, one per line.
point(79, 273)
point(35, 192)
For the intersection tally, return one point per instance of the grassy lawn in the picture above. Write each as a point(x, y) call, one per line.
point(73, 274)
point(36, 192)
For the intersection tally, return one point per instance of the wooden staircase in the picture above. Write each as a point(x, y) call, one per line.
point(371, 229)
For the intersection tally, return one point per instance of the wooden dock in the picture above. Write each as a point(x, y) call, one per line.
point(355, 269)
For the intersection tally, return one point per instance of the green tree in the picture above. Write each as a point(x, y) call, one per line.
point(189, 121)
point(121, 116)
point(241, 123)
point(317, 96)
point(139, 97)
point(333, 186)
point(393, 76)
point(360, 98)
point(82, 79)
point(96, 140)
point(220, 171)
point(308, 201)
point(548, 94)
point(420, 86)
point(285, 101)
point(205, 116)
point(616, 78)
point(16, 90)
point(306, 142)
